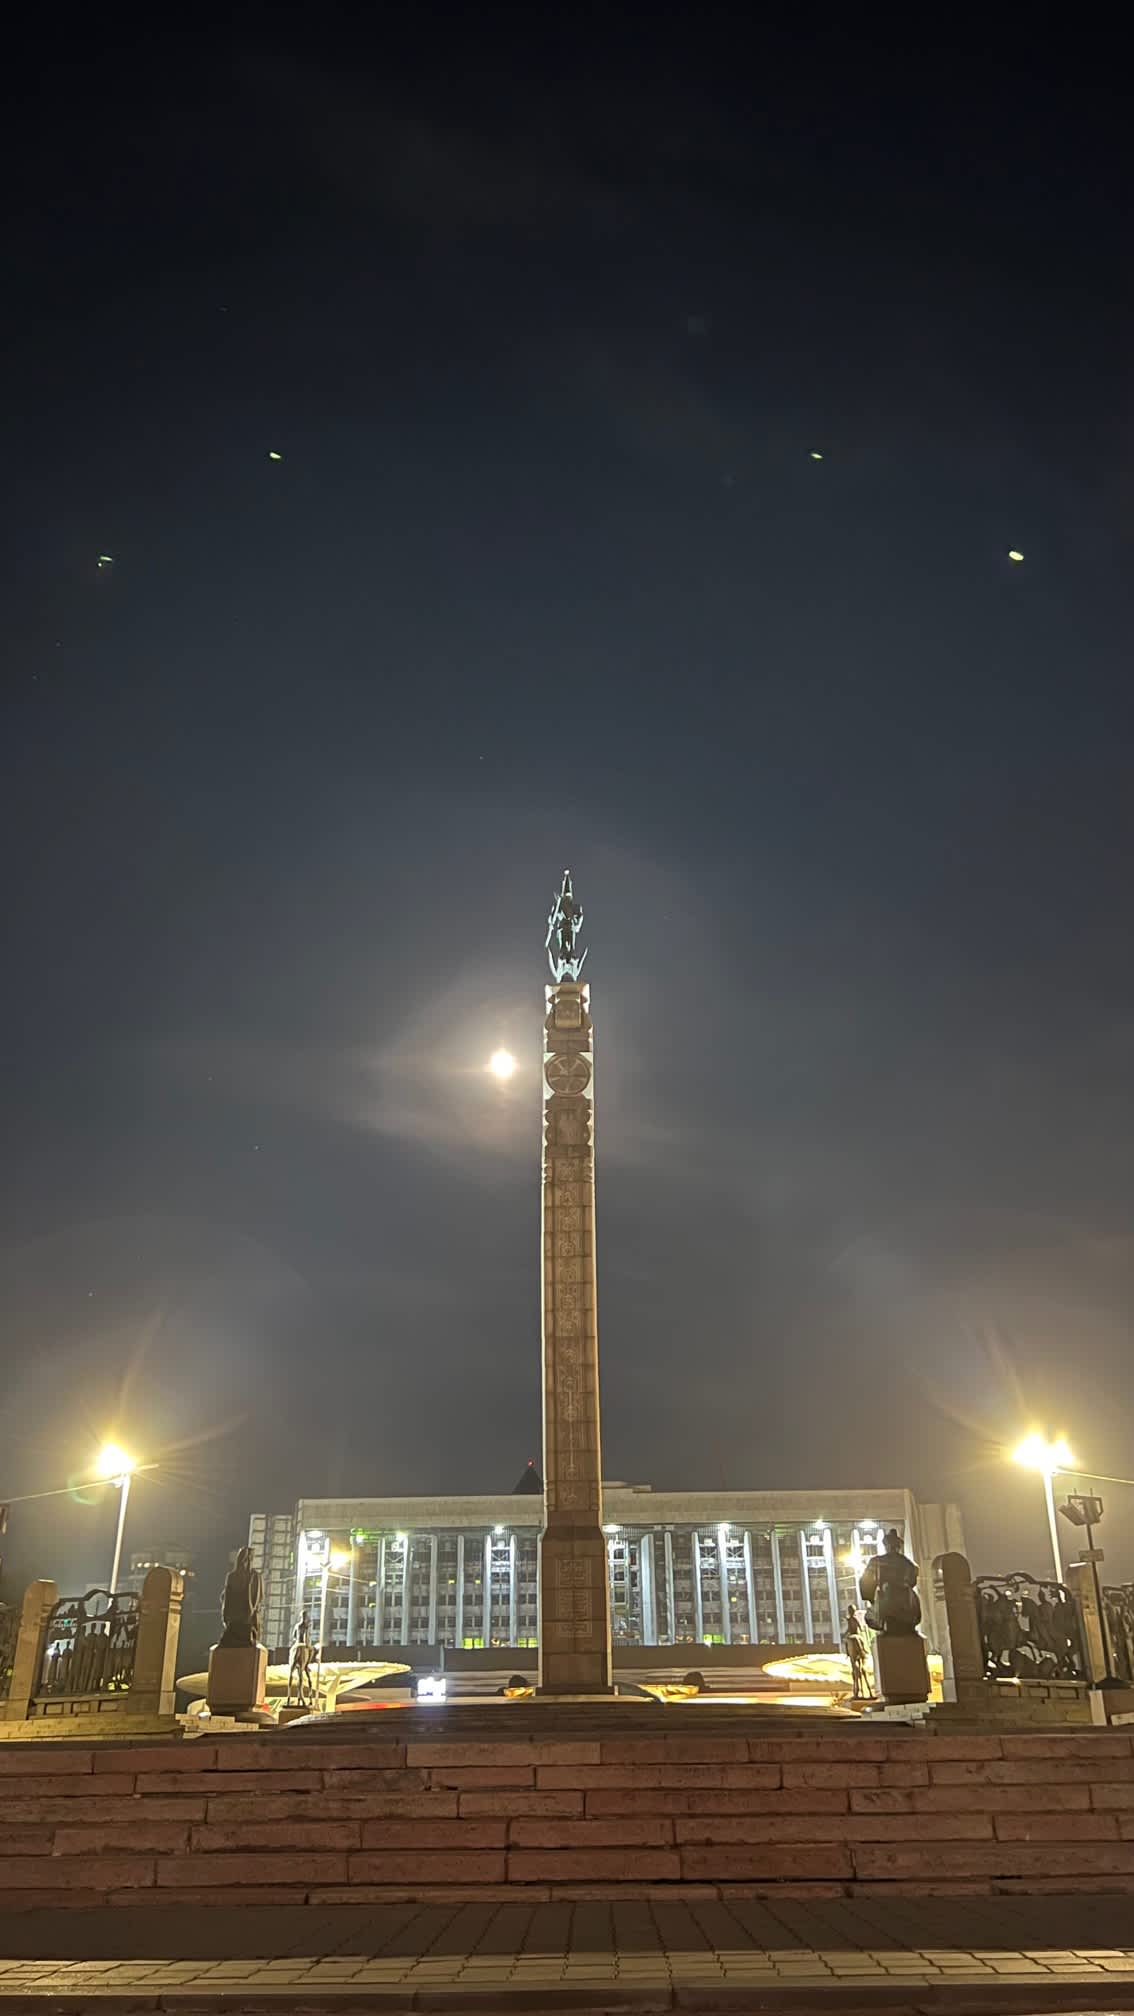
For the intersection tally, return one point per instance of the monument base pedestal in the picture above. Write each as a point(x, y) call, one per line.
point(901, 1669)
point(238, 1678)
point(574, 1637)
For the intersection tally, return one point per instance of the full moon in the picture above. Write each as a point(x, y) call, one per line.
point(502, 1064)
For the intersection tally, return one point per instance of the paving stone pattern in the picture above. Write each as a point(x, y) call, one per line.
point(668, 1950)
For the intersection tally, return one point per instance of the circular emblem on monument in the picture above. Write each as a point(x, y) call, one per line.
point(568, 1074)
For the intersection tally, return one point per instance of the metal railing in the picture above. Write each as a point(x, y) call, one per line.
point(1030, 1629)
point(89, 1646)
point(9, 1632)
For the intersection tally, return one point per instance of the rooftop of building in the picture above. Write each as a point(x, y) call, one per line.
point(624, 1504)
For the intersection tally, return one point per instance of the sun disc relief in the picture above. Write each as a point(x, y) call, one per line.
point(567, 1073)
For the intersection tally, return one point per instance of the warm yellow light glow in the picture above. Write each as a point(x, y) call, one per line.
point(502, 1064)
point(798, 1700)
point(1013, 554)
point(114, 1462)
point(339, 1559)
point(1035, 1453)
point(833, 1670)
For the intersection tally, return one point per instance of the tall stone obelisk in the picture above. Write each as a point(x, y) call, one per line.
point(574, 1637)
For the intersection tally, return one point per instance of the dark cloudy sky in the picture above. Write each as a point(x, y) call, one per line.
point(546, 323)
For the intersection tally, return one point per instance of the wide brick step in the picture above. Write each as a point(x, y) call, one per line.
point(304, 1816)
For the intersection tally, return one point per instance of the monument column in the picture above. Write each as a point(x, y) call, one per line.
point(574, 1636)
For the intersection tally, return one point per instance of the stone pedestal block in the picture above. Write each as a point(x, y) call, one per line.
point(574, 1642)
point(901, 1668)
point(238, 1678)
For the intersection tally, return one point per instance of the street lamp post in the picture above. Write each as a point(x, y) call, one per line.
point(115, 1465)
point(336, 1560)
point(123, 1501)
point(1048, 1458)
point(323, 1582)
point(114, 1474)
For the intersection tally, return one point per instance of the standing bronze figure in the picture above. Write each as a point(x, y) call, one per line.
point(299, 1680)
point(856, 1644)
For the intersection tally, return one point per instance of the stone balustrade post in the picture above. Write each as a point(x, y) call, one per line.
point(1081, 1583)
point(962, 1651)
point(153, 1687)
point(40, 1599)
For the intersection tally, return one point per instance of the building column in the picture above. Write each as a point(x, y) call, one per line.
point(698, 1603)
point(380, 1594)
point(459, 1606)
point(726, 1605)
point(407, 1550)
point(669, 1589)
point(805, 1584)
point(778, 1588)
point(352, 1593)
point(832, 1582)
point(432, 1625)
point(750, 1588)
point(487, 1587)
point(513, 1629)
point(646, 1589)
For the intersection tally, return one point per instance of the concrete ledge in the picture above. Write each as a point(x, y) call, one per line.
point(603, 1997)
point(102, 1726)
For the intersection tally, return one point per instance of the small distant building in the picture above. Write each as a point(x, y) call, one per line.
point(168, 1554)
point(716, 1568)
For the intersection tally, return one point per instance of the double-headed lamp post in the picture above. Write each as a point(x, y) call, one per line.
point(118, 1468)
point(1035, 1452)
point(336, 1560)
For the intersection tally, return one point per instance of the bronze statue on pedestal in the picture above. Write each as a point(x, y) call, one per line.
point(240, 1603)
point(888, 1586)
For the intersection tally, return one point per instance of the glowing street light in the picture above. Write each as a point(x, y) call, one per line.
point(114, 1462)
point(117, 1467)
point(502, 1065)
point(1049, 1458)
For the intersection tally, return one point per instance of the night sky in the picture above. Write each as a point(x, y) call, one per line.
point(547, 325)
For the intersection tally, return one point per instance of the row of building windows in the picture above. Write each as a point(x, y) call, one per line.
point(669, 1585)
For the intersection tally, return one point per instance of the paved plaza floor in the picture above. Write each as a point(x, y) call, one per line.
point(958, 1953)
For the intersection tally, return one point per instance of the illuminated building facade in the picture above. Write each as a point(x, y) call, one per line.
point(686, 1567)
point(168, 1554)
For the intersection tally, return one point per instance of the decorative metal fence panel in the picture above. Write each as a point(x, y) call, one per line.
point(9, 1632)
point(1030, 1629)
point(1118, 1608)
point(89, 1646)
